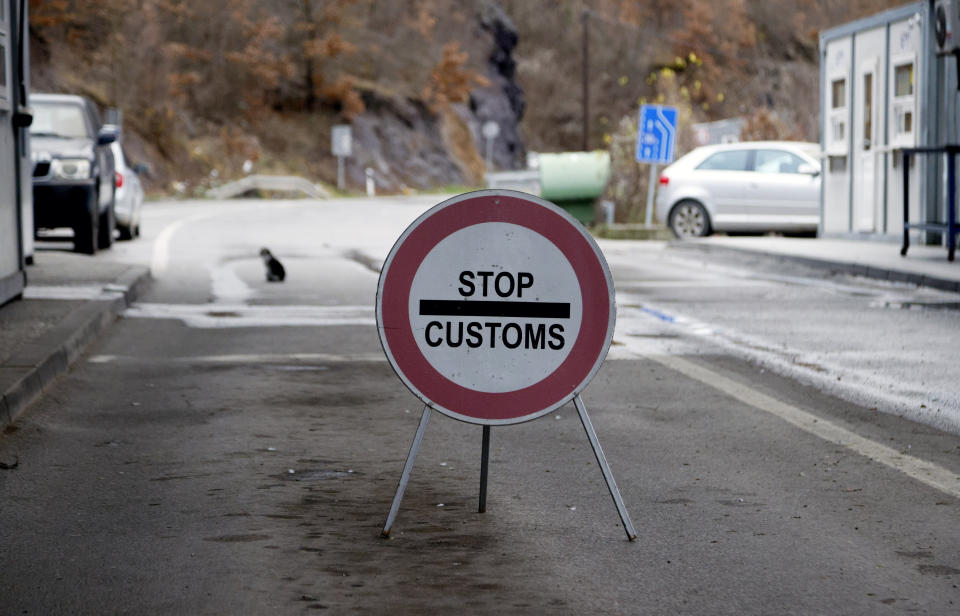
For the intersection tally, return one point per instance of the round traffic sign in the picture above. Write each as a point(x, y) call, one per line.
point(495, 307)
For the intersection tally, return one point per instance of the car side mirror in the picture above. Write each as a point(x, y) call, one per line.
point(808, 169)
point(107, 135)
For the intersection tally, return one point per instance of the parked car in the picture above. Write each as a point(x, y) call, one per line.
point(73, 171)
point(750, 186)
point(129, 194)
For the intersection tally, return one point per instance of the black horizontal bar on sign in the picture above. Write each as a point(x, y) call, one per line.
point(460, 308)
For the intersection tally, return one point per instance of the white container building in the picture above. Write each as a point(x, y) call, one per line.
point(885, 86)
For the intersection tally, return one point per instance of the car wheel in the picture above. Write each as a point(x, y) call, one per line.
point(108, 223)
point(86, 228)
point(689, 219)
point(126, 233)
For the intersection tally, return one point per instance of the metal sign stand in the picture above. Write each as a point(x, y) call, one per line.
point(485, 460)
point(484, 463)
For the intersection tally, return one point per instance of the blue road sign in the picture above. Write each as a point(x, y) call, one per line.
point(657, 137)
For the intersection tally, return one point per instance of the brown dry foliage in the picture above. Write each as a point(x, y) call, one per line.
point(766, 125)
point(182, 69)
point(451, 81)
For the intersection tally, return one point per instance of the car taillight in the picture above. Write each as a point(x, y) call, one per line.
point(119, 179)
point(664, 180)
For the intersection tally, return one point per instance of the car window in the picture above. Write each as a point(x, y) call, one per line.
point(58, 120)
point(731, 160)
point(777, 161)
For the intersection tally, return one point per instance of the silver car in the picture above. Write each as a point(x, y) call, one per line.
point(129, 194)
point(750, 186)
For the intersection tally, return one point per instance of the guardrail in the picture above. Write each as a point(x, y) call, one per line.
point(527, 180)
point(280, 183)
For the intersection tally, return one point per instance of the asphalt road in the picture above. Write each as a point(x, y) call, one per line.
point(232, 446)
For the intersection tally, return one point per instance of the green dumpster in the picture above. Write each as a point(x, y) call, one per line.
point(574, 180)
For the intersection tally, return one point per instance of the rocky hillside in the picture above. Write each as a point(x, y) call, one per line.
point(206, 86)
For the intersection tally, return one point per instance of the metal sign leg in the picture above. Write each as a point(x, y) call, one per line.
point(605, 468)
point(407, 467)
point(484, 462)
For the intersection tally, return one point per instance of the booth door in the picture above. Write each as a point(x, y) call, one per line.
point(11, 278)
point(865, 150)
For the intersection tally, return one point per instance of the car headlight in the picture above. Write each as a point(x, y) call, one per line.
point(70, 168)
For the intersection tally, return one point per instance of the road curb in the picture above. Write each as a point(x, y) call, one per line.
point(44, 359)
point(845, 267)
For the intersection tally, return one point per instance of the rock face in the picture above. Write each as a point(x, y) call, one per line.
point(402, 142)
point(503, 101)
point(409, 146)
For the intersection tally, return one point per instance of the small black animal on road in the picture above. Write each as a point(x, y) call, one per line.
point(275, 271)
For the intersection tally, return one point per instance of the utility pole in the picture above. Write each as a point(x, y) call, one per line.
point(585, 69)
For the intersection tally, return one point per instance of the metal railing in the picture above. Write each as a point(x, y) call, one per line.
point(951, 227)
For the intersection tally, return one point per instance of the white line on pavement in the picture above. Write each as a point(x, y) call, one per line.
point(227, 286)
point(250, 358)
point(216, 316)
point(928, 473)
point(72, 292)
point(161, 245)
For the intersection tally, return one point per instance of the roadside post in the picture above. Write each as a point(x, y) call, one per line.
point(341, 144)
point(496, 307)
point(490, 131)
point(370, 181)
point(656, 144)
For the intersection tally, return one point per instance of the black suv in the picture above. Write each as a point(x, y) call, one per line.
point(73, 169)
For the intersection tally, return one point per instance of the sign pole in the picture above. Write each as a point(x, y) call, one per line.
point(407, 468)
point(484, 462)
point(648, 215)
point(605, 468)
point(341, 145)
point(657, 129)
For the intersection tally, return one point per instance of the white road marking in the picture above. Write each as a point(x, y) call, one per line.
point(643, 329)
point(227, 287)
point(161, 245)
point(72, 292)
point(928, 473)
point(722, 283)
point(218, 316)
point(251, 358)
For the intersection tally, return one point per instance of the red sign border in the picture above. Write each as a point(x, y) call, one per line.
point(558, 227)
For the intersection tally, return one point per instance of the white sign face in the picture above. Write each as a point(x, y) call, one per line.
point(495, 307)
point(341, 140)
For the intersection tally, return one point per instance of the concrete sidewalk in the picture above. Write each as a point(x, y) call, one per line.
point(923, 265)
point(69, 300)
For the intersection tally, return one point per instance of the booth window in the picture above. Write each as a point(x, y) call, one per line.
point(903, 103)
point(839, 98)
point(838, 114)
point(4, 56)
point(867, 111)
